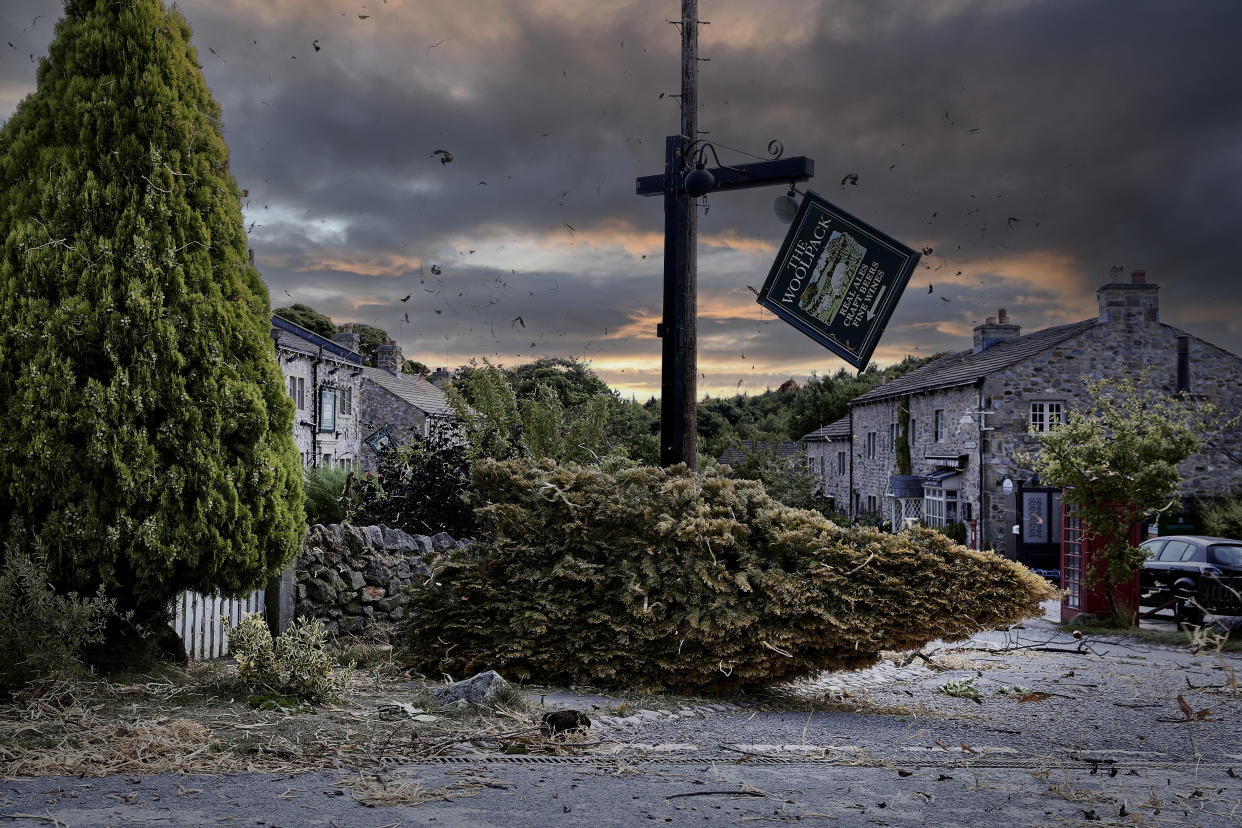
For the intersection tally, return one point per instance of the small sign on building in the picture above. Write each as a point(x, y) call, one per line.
point(837, 279)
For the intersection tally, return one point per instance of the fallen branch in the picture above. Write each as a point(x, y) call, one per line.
point(716, 793)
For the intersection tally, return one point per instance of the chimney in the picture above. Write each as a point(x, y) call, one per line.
point(1132, 303)
point(388, 356)
point(345, 336)
point(440, 377)
point(995, 329)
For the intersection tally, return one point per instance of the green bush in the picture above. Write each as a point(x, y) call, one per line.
point(296, 664)
point(663, 579)
point(325, 494)
point(1222, 517)
point(145, 430)
point(42, 632)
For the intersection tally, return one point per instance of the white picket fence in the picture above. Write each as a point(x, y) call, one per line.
point(203, 621)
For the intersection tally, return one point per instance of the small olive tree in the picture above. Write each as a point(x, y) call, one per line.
point(1118, 461)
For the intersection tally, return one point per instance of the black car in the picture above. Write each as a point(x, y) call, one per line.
point(1192, 574)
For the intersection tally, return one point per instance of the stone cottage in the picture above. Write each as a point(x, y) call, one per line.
point(971, 414)
point(828, 458)
point(323, 376)
point(397, 407)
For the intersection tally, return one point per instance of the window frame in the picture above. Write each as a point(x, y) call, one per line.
point(871, 444)
point(938, 426)
point(1047, 411)
point(297, 391)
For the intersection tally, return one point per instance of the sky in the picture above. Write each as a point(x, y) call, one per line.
point(479, 158)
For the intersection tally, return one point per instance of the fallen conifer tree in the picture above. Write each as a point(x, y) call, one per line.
point(666, 580)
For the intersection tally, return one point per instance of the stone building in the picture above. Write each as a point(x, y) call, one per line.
point(828, 458)
point(323, 377)
point(398, 407)
point(971, 414)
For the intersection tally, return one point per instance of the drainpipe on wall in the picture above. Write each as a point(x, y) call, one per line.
point(315, 409)
point(982, 519)
point(849, 490)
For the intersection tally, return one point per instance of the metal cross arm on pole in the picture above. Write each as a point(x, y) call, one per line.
point(741, 176)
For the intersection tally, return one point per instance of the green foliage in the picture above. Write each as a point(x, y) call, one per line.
point(538, 426)
point(423, 486)
point(296, 664)
point(787, 480)
point(902, 450)
point(42, 632)
point(370, 338)
point(1118, 460)
point(146, 433)
point(308, 318)
point(664, 579)
point(413, 366)
point(1222, 517)
point(326, 500)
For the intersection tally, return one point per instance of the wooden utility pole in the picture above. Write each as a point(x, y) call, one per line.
point(679, 330)
point(679, 369)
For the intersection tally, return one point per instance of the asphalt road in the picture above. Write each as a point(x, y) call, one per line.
point(1103, 741)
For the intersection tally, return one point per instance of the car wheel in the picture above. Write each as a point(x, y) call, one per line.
point(1187, 613)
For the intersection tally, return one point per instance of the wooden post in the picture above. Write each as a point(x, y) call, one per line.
point(679, 374)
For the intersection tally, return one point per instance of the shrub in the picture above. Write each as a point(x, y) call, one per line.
point(146, 433)
point(325, 494)
point(296, 664)
point(42, 632)
point(663, 579)
point(1222, 517)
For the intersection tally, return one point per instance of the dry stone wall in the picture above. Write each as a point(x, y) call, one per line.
point(351, 577)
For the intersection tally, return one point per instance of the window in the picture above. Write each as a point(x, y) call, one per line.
point(939, 506)
point(297, 390)
point(870, 445)
point(327, 409)
point(841, 463)
point(345, 463)
point(1045, 415)
point(892, 436)
point(872, 507)
point(938, 425)
point(346, 402)
point(823, 465)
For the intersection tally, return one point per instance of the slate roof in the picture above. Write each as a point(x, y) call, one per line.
point(290, 336)
point(414, 390)
point(737, 453)
point(833, 431)
point(966, 367)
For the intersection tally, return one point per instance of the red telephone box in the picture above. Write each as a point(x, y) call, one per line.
point(1079, 551)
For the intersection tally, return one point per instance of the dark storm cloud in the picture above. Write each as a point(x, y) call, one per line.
point(1031, 145)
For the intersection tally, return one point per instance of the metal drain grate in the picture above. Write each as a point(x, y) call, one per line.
point(982, 763)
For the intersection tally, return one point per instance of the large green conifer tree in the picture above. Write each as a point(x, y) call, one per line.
point(146, 440)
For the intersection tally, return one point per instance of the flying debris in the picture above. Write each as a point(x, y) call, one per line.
point(752, 290)
point(438, 312)
point(434, 45)
point(315, 43)
point(406, 298)
point(363, 16)
point(930, 288)
point(1013, 220)
point(571, 228)
point(851, 178)
point(927, 251)
point(435, 270)
point(407, 317)
point(517, 320)
point(945, 299)
point(446, 157)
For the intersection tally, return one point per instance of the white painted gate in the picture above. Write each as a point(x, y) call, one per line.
point(198, 620)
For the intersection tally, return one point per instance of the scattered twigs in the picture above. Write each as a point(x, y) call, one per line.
point(439, 746)
point(716, 793)
point(724, 746)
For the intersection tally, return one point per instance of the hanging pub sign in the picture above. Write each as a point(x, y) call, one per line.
point(837, 279)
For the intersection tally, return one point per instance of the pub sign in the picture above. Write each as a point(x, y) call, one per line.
point(837, 279)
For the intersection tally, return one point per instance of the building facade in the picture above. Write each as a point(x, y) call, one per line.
point(971, 414)
point(323, 377)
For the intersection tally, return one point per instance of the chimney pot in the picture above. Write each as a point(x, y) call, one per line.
point(991, 320)
point(1138, 277)
point(1115, 273)
point(1003, 316)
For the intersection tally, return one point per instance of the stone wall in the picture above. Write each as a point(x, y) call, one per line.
point(351, 577)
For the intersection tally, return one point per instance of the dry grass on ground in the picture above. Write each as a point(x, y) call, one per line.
point(201, 720)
